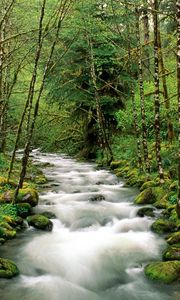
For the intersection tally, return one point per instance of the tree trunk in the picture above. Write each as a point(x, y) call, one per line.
point(178, 89)
point(156, 95)
point(142, 97)
point(145, 19)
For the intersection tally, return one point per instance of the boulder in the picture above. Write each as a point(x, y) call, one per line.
point(146, 211)
point(28, 195)
point(173, 238)
point(163, 226)
point(148, 184)
point(8, 269)
point(165, 272)
point(48, 214)
point(6, 233)
point(40, 222)
point(117, 164)
point(96, 198)
point(172, 252)
point(145, 197)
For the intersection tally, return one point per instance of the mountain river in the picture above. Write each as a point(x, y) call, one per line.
point(98, 247)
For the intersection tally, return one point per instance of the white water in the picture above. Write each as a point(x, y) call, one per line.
point(97, 249)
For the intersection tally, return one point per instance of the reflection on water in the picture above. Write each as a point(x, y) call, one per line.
point(98, 246)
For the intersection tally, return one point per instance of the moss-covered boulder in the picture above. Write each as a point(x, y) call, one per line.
point(41, 179)
point(40, 222)
point(162, 203)
point(145, 197)
point(148, 184)
point(8, 269)
point(163, 226)
point(174, 238)
point(48, 214)
point(166, 272)
point(29, 196)
point(117, 164)
point(6, 233)
point(3, 182)
point(146, 211)
point(172, 253)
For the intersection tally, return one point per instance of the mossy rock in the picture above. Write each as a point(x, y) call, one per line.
point(165, 272)
point(159, 192)
point(117, 164)
point(148, 184)
point(48, 214)
point(41, 179)
point(2, 241)
point(146, 211)
point(8, 269)
point(5, 225)
point(173, 238)
point(23, 209)
point(145, 197)
point(40, 222)
point(6, 233)
point(172, 253)
point(162, 203)
point(29, 196)
point(163, 226)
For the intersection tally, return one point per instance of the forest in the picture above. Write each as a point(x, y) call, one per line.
point(97, 81)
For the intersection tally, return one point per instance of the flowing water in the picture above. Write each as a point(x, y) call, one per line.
point(98, 247)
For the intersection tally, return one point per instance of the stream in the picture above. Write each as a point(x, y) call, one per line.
point(98, 247)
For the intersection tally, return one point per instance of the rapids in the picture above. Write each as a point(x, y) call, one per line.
point(98, 247)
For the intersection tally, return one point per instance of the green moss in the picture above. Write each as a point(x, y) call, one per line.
point(163, 226)
point(40, 222)
point(7, 234)
point(23, 209)
point(146, 211)
point(162, 203)
point(148, 184)
point(166, 272)
point(28, 195)
point(174, 238)
point(117, 164)
point(145, 197)
point(172, 252)
point(8, 269)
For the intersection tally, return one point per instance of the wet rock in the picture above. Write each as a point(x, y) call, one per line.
point(148, 184)
point(2, 241)
point(97, 198)
point(166, 272)
point(29, 196)
point(145, 197)
point(6, 233)
point(40, 222)
point(173, 238)
point(146, 211)
point(8, 269)
point(48, 214)
point(163, 226)
point(172, 252)
point(117, 164)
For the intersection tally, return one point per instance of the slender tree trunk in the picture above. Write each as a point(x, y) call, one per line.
point(145, 19)
point(142, 97)
point(156, 95)
point(30, 92)
point(170, 131)
point(178, 89)
point(61, 13)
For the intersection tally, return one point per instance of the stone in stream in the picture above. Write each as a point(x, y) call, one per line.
point(174, 238)
point(172, 253)
point(163, 226)
point(8, 269)
point(48, 214)
point(96, 198)
point(40, 222)
point(166, 272)
point(146, 211)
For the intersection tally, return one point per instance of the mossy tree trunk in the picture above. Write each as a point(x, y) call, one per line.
point(156, 94)
point(142, 97)
point(178, 89)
